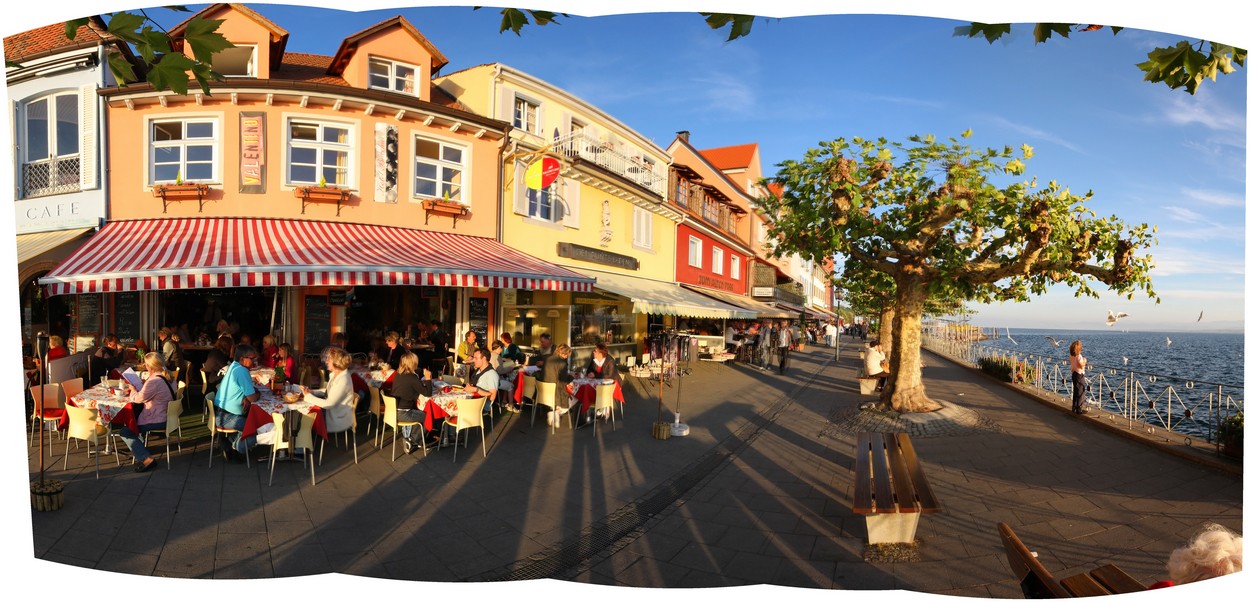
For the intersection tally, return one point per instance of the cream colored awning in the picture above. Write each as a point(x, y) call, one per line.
point(665, 298)
point(763, 310)
point(35, 243)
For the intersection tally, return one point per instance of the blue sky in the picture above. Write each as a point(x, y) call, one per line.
point(1150, 154)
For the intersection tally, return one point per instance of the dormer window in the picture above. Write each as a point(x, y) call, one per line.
point(393, 76)
point(239, 61)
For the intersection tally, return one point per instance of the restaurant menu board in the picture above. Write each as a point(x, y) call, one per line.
point(479, 316)
point(316, 323)
point(88, 314)
point(126, 317)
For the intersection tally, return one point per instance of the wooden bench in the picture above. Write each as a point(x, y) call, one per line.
point(1037, 582)
point(890, 487)
point(868, 384)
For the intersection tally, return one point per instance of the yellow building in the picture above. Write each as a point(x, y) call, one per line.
point(606, 214)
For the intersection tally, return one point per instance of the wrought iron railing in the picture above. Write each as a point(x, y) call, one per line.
point(649, 176)
point(58, 175)
point(1146, 401)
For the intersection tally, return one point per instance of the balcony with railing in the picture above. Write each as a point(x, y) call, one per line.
point(649, 176)
point(58, 175)
point(695, 199)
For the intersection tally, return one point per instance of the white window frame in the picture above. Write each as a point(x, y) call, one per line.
point(348, 147)
point(718, 260)
point(694, 253)
point(517, 120)
point(54, 153)
point(534, 201)
point(184, 143)
point(251, 62)
point(643, 225)
point(442, 163)
point(735, 267)
point(392, 78)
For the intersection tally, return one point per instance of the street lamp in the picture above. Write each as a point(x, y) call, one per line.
point(837, 322)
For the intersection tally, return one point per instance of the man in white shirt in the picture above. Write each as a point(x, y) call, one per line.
point(785, 337)
point(875, 363)
point(831, 331)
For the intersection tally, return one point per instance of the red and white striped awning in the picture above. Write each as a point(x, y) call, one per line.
point(164, 254)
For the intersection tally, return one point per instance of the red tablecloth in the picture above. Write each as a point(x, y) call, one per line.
point(584, 391)
point(111, 410)
point(258, 417)
point(519, 394)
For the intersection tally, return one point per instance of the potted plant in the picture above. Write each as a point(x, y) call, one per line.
point(1231, 435)
point(323, 193)
point(179, 191)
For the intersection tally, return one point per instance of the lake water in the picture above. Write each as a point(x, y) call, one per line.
point(1192, 364)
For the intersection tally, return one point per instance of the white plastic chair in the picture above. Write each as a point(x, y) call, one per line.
point(214, 430)
point(350, 430)
point(173, 422)
point(47, 397)
point(83, 426)
point(546, 396)
point(604, 403)
point(468, 416)
point(375, 415)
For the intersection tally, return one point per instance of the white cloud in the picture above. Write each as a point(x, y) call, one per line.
point(1033, 133)
point(1182, 214)
point(1203, 109)
point(1191, 262)
point(1214, 197)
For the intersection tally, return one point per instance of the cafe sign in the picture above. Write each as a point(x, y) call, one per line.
point(593, 255)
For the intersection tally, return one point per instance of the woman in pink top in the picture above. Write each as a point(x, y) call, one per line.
point(155, 396)
point(1078, 377)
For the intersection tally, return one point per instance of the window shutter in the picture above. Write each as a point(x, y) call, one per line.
point(87, 151)
point(507, 97)
point(520, 204)
point(639, 236)
point(18, 129)
point(572, 202)
point(566, 124)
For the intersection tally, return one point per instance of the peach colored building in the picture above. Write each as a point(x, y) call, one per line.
point(305, 195)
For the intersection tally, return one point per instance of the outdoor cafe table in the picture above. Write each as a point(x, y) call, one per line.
point(583, 389)
point(261, 413)
point(442, 404)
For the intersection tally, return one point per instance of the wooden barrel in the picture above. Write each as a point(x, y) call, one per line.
point(47, 496)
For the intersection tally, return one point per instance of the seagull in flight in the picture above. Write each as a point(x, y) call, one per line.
point(1125, 360)
point(1200, 316)
point(1054, 341)
point(1013, 341)
point(1169, 341)
point(1113, 317)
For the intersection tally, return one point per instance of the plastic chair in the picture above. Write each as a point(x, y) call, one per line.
point(390, 418)
point(375, 415)
point(304, 441)
point(468, 416)
point(352, 429)
point(173, 422)
point(83, 426)
point(204, 392)
point(453, 380)
point(71, 388)
point(214, 430)
point(546, 396)
point(47, 397)
point(604, 403)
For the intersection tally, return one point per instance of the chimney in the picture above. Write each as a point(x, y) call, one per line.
point(684, 135)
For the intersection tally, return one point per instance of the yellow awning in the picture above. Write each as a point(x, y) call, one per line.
point(36, 243)
point(667, 298)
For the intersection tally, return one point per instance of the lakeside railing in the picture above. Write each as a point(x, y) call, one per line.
point(1189, 407)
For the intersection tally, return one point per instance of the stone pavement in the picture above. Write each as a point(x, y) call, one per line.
point(758, 493)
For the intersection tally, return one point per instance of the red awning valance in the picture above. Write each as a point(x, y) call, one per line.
point(162, 254)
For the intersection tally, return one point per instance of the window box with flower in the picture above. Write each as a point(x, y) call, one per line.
point(323, 193)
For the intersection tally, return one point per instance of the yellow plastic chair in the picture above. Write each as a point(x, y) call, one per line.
point(214, 430)
point(304, 441)
point(604, 402)
point(375, 415)
point(47, 397)
point(546, 396)
point(468, 416)
point(280, 441)
point(84, 427)
point(453, 380)
point(390, 417)
point(71, 388)
point(204, 392)
point(173, 422)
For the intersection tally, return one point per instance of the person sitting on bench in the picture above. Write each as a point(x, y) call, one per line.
point(875, 364)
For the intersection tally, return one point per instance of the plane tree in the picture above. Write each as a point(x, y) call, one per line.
point(945, 220)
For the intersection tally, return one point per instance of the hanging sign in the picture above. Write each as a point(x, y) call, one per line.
point(251, 152)
point(541, 174)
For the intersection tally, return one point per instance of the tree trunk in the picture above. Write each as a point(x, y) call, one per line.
point(904, 391)
point(886, 336)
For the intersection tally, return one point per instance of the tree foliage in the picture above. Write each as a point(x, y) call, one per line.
point(1185, 64)
point(945, 221)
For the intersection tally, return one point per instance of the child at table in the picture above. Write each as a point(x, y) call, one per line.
point(155, 396)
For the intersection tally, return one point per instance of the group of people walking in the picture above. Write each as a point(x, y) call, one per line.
point(762, 343)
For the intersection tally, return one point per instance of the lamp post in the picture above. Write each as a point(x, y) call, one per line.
point(837, 323)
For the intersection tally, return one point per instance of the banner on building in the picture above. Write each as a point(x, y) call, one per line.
point(252, 152)
point(385, 163)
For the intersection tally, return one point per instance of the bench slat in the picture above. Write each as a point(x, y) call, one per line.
point(882, 494)
point(1035, 580)
point(899, 464)
point(1082, 585)
point(1116, 580)
point(863, 491)
point(928, 501)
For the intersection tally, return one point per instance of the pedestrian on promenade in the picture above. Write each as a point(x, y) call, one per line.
point(1214, 552)
point(1078, 363)
point(785, 339)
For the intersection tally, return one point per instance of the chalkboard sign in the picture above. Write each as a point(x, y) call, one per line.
point(338, 297)
point(126, 317)
point(88, 314)
point(479, 316)
point(316, 323)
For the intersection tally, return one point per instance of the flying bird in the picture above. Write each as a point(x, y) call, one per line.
point(1125, 360)
point(1169, 341)
point(1054, 341)
point(1113, 317)
point(1199, 317)
point(1013, 341)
